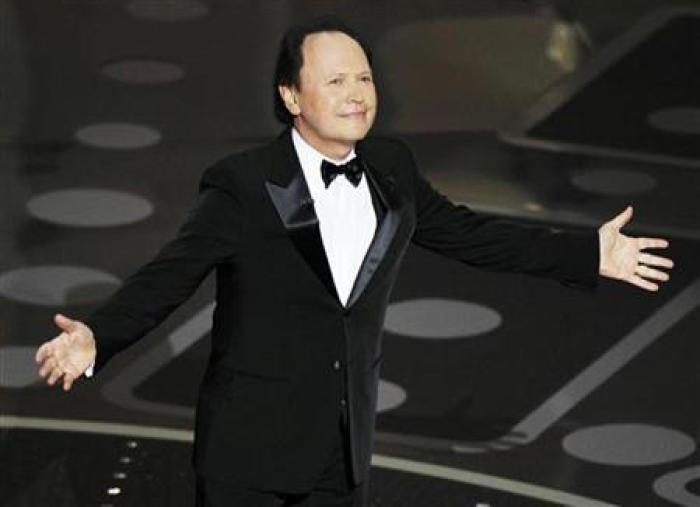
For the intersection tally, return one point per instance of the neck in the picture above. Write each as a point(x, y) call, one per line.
point(334, 150)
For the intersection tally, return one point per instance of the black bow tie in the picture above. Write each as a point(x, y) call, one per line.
point(352, 171)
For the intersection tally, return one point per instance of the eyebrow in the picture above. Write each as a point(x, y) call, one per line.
point(343, 74)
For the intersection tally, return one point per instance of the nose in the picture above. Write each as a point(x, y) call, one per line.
point(355, 93)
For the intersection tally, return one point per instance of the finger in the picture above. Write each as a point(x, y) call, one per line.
point(655, 260)
point(644, 243)
point(623, 218)
point(643, 284)
point(46, 368)
point(654, 274)
point(50, 349)
point(66, 324)
point(56, 373)
point(68, 380)
point(43, 352)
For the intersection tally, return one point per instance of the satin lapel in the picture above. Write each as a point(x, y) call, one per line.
point(290, 195)
point(386, 230)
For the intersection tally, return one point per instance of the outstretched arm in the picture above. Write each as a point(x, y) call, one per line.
point(208, 238)
point(574, 258)
point(455, 231)
point(624, 258)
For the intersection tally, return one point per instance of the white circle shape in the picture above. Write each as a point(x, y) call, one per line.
point(678, 120)
point(89, 207)
point(17, 367)
point(628, 444)
point(613, 181)
point(53, 285)
point(436, 318)
point(118, 136)
point(167, 10)
point(143, 71)
point(674, 486)
point(390, 396)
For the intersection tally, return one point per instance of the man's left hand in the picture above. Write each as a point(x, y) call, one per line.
point(624, 258)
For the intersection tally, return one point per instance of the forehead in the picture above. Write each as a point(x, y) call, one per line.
point(329, 52)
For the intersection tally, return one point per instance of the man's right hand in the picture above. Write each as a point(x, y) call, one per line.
point(69, 354)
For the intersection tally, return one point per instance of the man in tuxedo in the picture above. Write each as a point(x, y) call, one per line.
point(306, 235)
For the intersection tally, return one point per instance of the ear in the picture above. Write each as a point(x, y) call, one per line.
point(289, 97)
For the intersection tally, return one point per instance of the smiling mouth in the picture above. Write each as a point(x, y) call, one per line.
point(354, 114)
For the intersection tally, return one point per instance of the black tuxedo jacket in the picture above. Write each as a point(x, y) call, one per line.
point(285, 351)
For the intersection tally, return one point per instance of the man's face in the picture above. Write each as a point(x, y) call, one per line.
point(336, 102)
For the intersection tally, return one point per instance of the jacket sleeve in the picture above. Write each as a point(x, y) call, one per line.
point(455, 231)
point(208, 237)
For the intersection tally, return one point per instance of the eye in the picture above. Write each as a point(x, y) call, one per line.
point(366, 79)
point(335, 81)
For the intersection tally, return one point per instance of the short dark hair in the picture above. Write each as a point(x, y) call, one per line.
point(290, 58)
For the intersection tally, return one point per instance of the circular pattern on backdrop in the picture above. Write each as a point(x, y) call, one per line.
point(118, 136)
point(143, 72)
point(89, 207)
point(17, 367)
point(167, 10)
point(677, 487)
point(440, 318)
point(390, 396)
point(629, 444)
point(613, 181)
point(678, 120)
point(57, 285)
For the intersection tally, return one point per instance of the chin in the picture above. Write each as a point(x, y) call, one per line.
point(356, 133)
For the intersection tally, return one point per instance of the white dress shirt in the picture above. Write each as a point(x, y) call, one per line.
point(345, 214)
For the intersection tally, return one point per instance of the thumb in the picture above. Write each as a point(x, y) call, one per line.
point(623, 218)
point(66, 324)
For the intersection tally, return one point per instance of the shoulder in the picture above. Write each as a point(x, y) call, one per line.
point(234, 169)
point(388, 153)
